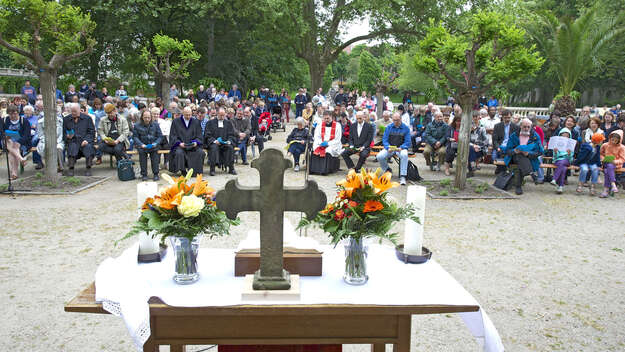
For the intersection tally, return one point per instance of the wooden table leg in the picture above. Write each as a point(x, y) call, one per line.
point(150, 346)
point(177, 348)
point(403, 334)
point(378, 347)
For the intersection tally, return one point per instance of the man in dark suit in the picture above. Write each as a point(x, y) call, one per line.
point(360, 137)
point(220, 140)
point(501, 133)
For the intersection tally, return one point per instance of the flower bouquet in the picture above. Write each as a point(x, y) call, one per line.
point(361, 209)
point(182, 212)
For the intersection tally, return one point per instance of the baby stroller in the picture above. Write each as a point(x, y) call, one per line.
point(277, 119)
point(264, 125)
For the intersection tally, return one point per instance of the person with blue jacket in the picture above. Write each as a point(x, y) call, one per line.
point(523, 149)
point(589, 158)
point(396, 141)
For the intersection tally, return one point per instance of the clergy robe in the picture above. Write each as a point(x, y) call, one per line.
point(187, 157)
point(330, 134)
point(224, 152)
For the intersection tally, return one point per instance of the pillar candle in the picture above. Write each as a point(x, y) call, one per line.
point(413, 233)
point(147, 244)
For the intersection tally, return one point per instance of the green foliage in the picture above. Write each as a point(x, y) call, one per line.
point(445, 182)
point(369, 71)
point(489, 52)
point(575, 46)
point(210, 221)
point(363, 213)
point(169, 57)
point(481, 188)
point(74, 181)
point(443, 193)
point(36, 31)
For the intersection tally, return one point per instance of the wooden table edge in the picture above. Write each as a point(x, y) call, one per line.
point(85, 302)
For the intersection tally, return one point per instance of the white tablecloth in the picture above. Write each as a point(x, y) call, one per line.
point(124, 287)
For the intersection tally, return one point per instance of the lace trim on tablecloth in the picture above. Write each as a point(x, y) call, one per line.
point(141, 334)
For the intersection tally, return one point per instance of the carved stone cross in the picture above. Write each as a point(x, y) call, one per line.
point(271, 200)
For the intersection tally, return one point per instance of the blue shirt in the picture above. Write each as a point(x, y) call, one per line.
point(492, 102)
point(506, 134)
point(392, 129)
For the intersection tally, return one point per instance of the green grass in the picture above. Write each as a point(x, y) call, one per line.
point(39, 175)
point(50, 184)
point(445, 182)
point(444, 193)
point(74, 181)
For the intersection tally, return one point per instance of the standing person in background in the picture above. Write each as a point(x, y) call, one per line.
point(407, 99)
point(235, 93)
point(121, 92)
point(493, 102)
point(285, 100)
point(70, 94)
point(30, 92)
point(173, 92)
point(300, 102)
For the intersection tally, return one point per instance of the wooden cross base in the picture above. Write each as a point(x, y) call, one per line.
point(302, 264)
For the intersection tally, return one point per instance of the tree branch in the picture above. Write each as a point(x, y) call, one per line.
point(16, 49)
point(371, 35)
point(449, 78)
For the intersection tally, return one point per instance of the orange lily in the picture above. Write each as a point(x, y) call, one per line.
point(351, 182)
point(146, 205)
point(329, 208)
point(169, 198)
point(372, 205)
point(382, 183)
point(201, 187)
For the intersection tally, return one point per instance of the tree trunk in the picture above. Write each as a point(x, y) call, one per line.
point(210, 62)
point(462, 158)
point(165, 85)
point(47, 80)
point(317, 70)
point(379, 94)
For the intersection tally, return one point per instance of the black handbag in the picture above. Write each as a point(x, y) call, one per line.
point(504, 180)
point(125, 170)
point(413, 172)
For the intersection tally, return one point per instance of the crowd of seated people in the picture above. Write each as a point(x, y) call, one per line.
point(214, 127)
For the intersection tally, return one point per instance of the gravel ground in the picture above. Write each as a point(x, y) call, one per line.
point(547, 268)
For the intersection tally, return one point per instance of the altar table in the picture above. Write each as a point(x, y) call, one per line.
point(350, 315)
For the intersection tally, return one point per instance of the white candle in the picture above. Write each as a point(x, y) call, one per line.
point(413, 233)
point(147, 244)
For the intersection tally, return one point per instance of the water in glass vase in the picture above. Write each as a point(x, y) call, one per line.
point(185, 258)
point(355, 262)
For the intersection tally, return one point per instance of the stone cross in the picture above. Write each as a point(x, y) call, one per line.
point(271, 200)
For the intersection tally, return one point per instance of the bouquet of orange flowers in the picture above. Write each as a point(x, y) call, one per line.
point(182, 210)
point(362, 209)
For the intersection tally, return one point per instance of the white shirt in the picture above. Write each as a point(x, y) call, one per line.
point(186, 122)
point(360, 128)
point(220, 123)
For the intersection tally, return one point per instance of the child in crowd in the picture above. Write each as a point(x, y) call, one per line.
point(562, 160)
point(612, 156)
point(588, 158)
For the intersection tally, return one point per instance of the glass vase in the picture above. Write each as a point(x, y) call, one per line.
point(355, 262)
point(185, 259)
